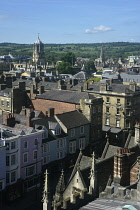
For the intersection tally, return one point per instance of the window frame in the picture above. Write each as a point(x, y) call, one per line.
point(107, 121)
point(82, 143)
point(26, 153)
point(72, 132)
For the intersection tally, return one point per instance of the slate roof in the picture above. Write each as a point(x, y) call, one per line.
point(85, 162)
point(26, 129)
point(117, 88)
point(112, 150)
point(81, 76)
point(48, 85)
point(45, 121)
point(65, 96)
point(6, 92)
point(107, 204)
point(28, 83)
point(130, 77)
point(72, 119)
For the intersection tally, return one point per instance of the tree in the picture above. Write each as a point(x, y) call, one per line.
point(90, 66)
point(64, 68)
point(68, 57)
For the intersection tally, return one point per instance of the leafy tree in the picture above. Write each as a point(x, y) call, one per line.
point(94, 79)
point(50, 58)
point(90, 65)
point(68, 57)
point(64, 68)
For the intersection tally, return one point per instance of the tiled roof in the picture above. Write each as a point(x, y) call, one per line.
point(64, 96)
point(72, 119)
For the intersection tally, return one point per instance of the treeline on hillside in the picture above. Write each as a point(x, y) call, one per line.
point(54, 52)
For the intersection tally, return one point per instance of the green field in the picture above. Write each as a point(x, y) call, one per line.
point(114, 50)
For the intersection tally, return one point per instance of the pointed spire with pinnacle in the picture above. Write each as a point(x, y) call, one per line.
point(61, 183)
point(45, 192)
point(58, 197)
point(92, 170)
point(92, 176)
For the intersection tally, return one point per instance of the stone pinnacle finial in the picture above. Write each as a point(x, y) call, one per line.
point(61, 183)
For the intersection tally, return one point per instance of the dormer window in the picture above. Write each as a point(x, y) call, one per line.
point(58, 131)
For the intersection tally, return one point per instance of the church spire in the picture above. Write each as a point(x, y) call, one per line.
point(45, 192)
point(61, 184)
point(45, 199)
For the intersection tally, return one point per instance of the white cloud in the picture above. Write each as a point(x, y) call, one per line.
point(98, 29)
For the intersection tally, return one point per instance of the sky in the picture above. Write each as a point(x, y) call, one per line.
point(69, 21)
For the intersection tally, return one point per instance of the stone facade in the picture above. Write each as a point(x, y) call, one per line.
point(38, 53)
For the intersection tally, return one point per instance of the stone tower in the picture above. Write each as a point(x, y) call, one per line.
point(38, 52)
point(102, 57)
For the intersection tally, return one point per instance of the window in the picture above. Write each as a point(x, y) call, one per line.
point(8, 104)
point(13, 159)
point(82, 143)
point(46, 159)
point(44, 135)
point(46, 147)
point(118, 111)
point(13, 176)
point(127, 123)
point(128, 102)
point(99, 133)
point(60, 155)
point(58, 131)
point(60, 143)
point(2, 102)
point(107, 109)
point(117, 123)
point(82, 129)
point(7, 161)
point(25, 145)
point(107, 121)
point(118, 100)
point(1, 185)
point(25, 157)
point(30, 170)
point(7, 178)
point(107, 99)
point(35, 154)
point(72, 132)
point(72, 147)
point(7, 146)
point(99, 120)
point(127, 112)
point(36, 142)
point(13, 145)
point(99, 109)
point(94, 110)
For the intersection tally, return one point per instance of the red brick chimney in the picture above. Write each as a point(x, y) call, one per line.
point(121, 165)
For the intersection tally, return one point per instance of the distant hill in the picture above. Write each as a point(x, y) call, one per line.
point(113, 49)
